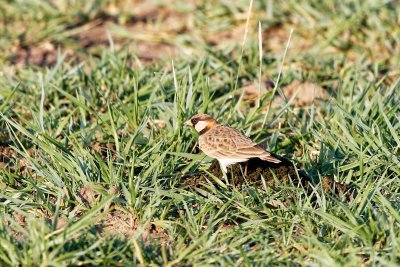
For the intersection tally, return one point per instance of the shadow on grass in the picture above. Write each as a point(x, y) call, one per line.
point(274, 175)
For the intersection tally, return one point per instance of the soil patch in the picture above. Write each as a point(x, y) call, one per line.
point(306, 93)
point(275, 175)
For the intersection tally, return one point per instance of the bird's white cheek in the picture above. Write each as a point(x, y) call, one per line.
point(200, 126)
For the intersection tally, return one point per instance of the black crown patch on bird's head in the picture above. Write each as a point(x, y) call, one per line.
point(201, 122)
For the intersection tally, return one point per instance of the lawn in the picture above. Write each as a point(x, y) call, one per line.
point(94, 156)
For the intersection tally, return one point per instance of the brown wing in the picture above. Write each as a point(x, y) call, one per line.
point(226, 142)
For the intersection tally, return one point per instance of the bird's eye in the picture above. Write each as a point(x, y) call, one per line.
point(194, 121)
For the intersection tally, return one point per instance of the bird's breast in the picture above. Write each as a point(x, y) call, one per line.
point(205, 146)
point(202, 142)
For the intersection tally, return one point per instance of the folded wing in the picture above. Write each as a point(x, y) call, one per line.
point(226, 142)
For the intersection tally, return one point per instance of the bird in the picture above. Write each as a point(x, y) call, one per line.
point(226, 144)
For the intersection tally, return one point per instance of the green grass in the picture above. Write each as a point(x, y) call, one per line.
point(92, 153)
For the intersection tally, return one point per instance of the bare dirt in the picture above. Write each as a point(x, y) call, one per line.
point(146, 34)
point(275, 175)
point(304, 93)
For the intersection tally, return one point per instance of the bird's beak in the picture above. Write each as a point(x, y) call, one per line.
point(188, 123)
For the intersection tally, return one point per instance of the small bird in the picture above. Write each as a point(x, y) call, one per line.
point(227, 145)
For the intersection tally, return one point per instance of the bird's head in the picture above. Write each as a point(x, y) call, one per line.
point(201, 122)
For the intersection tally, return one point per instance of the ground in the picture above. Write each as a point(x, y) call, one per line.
point(97, 168)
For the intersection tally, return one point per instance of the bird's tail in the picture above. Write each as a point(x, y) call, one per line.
point(270, 159)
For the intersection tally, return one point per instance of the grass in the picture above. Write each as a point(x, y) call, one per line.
point(92, 150)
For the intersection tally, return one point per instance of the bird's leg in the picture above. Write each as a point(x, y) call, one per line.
point(245, 168)
point(223, 167)
point(224, 171)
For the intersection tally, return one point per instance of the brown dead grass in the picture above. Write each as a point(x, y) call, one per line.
point(118, 221)
point(223, 38)
point(276, 37)
point(13, 162)
point(126, 225)
point(305, 93)
point(89, 195)
point(252, 91)
point(44, 54)
point(105, 148)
